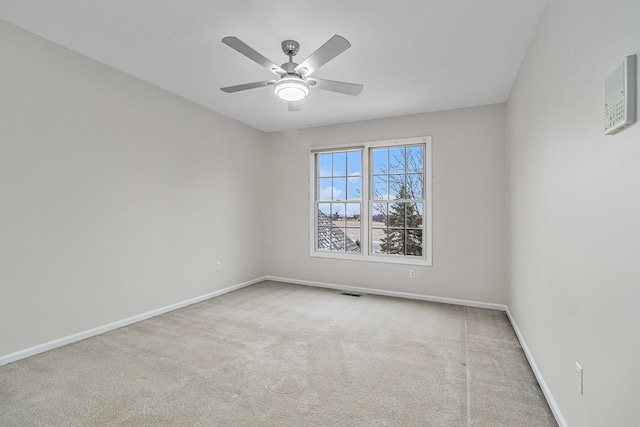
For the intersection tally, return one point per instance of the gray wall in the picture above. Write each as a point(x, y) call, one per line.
point(116, 197)
point(574, 201)
point(468, 206)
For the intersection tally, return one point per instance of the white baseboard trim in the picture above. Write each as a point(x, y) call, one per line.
point(543, 385)
point(41, 348)
point(453, 301)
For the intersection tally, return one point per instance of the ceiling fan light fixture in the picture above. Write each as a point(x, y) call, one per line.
point(291, 88)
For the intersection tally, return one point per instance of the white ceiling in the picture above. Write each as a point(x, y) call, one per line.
point(412, 56)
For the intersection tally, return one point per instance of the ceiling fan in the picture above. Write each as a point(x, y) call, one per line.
point(294, 82)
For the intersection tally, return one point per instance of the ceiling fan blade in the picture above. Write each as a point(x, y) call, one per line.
point(246, 86)
point(249, 52)
point(325, 53)
point(352, 89)
point(295, 105)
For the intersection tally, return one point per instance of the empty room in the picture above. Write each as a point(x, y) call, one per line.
point(412, 213)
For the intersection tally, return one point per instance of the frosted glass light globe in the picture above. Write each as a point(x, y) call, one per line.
point(291, 88)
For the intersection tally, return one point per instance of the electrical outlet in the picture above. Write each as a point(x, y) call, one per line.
point(218, 266)
point(579, 377)
point(412, 274)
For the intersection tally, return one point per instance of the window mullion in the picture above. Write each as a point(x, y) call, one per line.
point(365, 216)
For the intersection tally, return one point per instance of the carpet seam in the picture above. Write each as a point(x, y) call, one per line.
point(466, 368)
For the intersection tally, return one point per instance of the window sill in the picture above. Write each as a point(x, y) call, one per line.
point(373, 258)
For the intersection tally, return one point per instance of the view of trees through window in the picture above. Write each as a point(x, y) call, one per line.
point(392, 222)
point(397, 208)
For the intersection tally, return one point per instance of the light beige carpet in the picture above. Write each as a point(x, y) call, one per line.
point(277, 354)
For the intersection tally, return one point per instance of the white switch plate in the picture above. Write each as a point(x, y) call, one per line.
point(218, 266)
point(412, 274)
point(579, 378)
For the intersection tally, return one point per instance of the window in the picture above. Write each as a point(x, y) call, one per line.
point(373, 202)
point(338, 201)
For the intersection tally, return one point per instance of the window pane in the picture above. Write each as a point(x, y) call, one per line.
point(380, 188)
point(324, 214)
point(353, 214)
point(325, 165)
point(380, 161)
point(354, 163)
point(414, 186)
point(339, 189)
point(379, 214)
point(393, 242)
point(396, 216)
point(338, 239)
point(414, 215)
point(337, 212)
point(377, 234)
point(353, 240)
point(414, 242)
point(396, 160)
point(415, 158)
point(396, 187)
point(324, 238)
point(339, 164)
point(325, 189)
point(354, 185)
point(324, 209)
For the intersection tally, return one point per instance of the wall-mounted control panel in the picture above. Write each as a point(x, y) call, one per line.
point(620, 96)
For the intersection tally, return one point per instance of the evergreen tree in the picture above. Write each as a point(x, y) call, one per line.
point(403, 235)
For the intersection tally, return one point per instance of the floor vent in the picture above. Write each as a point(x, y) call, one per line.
point(350, 294)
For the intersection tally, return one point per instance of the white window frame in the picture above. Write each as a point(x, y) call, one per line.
point(365, 204)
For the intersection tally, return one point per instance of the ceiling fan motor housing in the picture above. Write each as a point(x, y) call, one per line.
point(290, 68)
